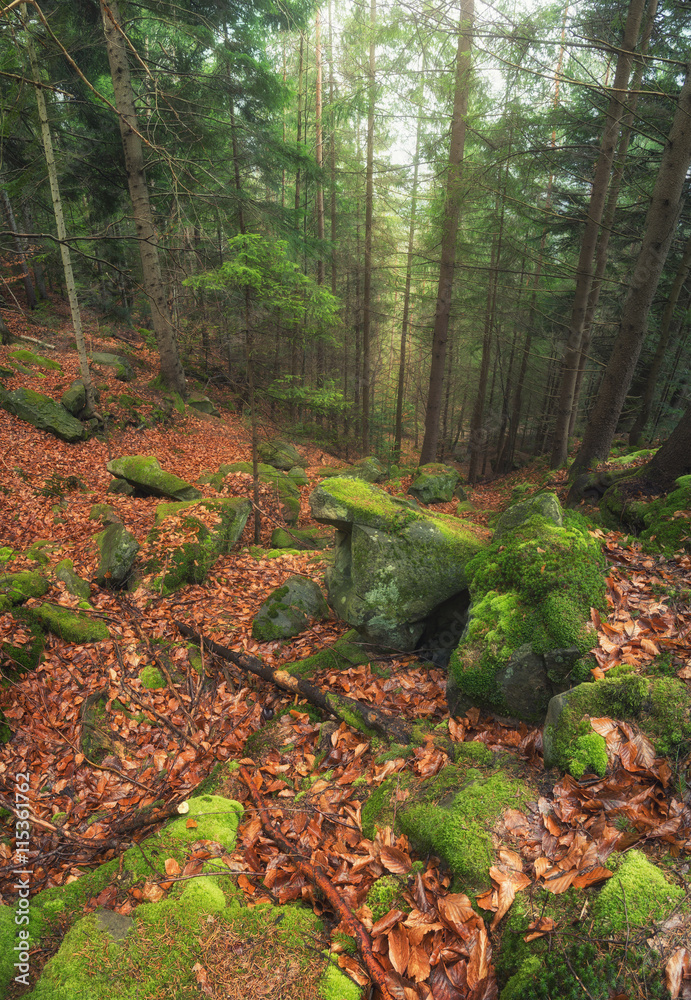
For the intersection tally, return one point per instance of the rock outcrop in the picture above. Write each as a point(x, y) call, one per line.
point(435, 483)
point(43, 413)
point(394, 564)
point(529, 620)
point(288, 610)
point(148, 479)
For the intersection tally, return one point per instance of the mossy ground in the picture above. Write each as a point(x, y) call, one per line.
point(452, 814)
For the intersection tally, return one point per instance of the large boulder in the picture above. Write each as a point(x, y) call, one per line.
point(288, 609)
point(148, 479)
point(529, 626)
point(434, 483)
point(210, 529)
point(74, 398)
point(370, 469)
point(43, 413)
point(118, 549)
point(280, 455)
point(394, 564)
point(202, 404)
point(544, 505)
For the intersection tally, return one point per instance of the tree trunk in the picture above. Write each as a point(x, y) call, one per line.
point(21, 250)
point(641, 420)
point(659, 229)
point(610, 212)
point(369, 202)
point(398, 431)
point(584, 275)
point(171, 369)
point(452, 212)
point(59, 218)
point(299, 131)
point(36, 266)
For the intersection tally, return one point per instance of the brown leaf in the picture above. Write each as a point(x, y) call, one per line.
point(385, 923)
point(418, 963)
point(172, 867)
point(539, 927)
point(598, 874)
point(678, 968)
point(455, 910)
point(505, 897)
point(511, 859)
point(399, 948)
point(395, 861)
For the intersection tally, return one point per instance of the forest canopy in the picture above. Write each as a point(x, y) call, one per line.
point(474, 231)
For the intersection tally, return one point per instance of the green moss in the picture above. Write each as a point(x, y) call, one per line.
point(638, 894)
point(19, 659)
point(8, 939)
point(668, 520)
point(535, 585)
point(152, 678)
point(473, 752)
point(29, 358)
point(71, 625)
point(19, 587)
point(385, 895)
point(6, 554)
point(451, 815)
point(661, 706)
point(589, 754)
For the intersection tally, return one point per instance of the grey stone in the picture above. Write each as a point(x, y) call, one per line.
point(435, 483)
point(43, 413)
point(124, 371)
point(286, 612)
point(118, 549)
point(394, 564)
point(74, 398)
point(149, 479)
point(117, 925)
point(370, 469)
point(198, 401)
point(74, 584)
point(280, 455)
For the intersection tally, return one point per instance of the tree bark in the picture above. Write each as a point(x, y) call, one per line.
point(636, 432)
point(584, 275)
point(452, 212)
point(659, 229)
point(21, 250)
point(673, 459)
point(369, 202)
point(51, 166)
point(171, 368)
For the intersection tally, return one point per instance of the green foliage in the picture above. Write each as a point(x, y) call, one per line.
point(385, 895)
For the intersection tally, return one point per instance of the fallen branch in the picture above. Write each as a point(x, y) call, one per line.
point(317, 878)
point(356, 714)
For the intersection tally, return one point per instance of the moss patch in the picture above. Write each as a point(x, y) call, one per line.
point(70, 625)
point(637, 895)
point(29, 358)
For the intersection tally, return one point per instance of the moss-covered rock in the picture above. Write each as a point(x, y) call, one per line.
point(281, 455)
point(74, 398)
point(346, 652)
point(369, 469)
point(668, 520)
point(64, 571)
point(192, 561)
point(124, 372)
point(660, 706)
point(202, 404)
point(434, 483)
point(529, 620)
point(452, 814)
point(148, 479)
point(72, 626)
point(394, 564)
point(118, 550)
point(301, 538)
point(29, 358)
point(43, 413)
point(298, 475)
point(15, 588)
point(120, 487)
point(637, 895)
point(288, 609)
point(544, 505)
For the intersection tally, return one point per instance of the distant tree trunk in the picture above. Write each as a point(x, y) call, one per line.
point(398, 430)
point(171, 369)
point(369, 202)
point(584, 270)
point(36, 266)
point(332, 155)
point(47, 141)
point(643, 416)
point(320, 179)
point(659, 229)
point(21, 250)
point(299, 131)
point(452, 212)
point(610, 212)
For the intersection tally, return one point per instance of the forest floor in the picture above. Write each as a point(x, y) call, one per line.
point(561, 840)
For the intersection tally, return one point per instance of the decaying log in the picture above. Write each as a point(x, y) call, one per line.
point(317, 878)
point(356, 714)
